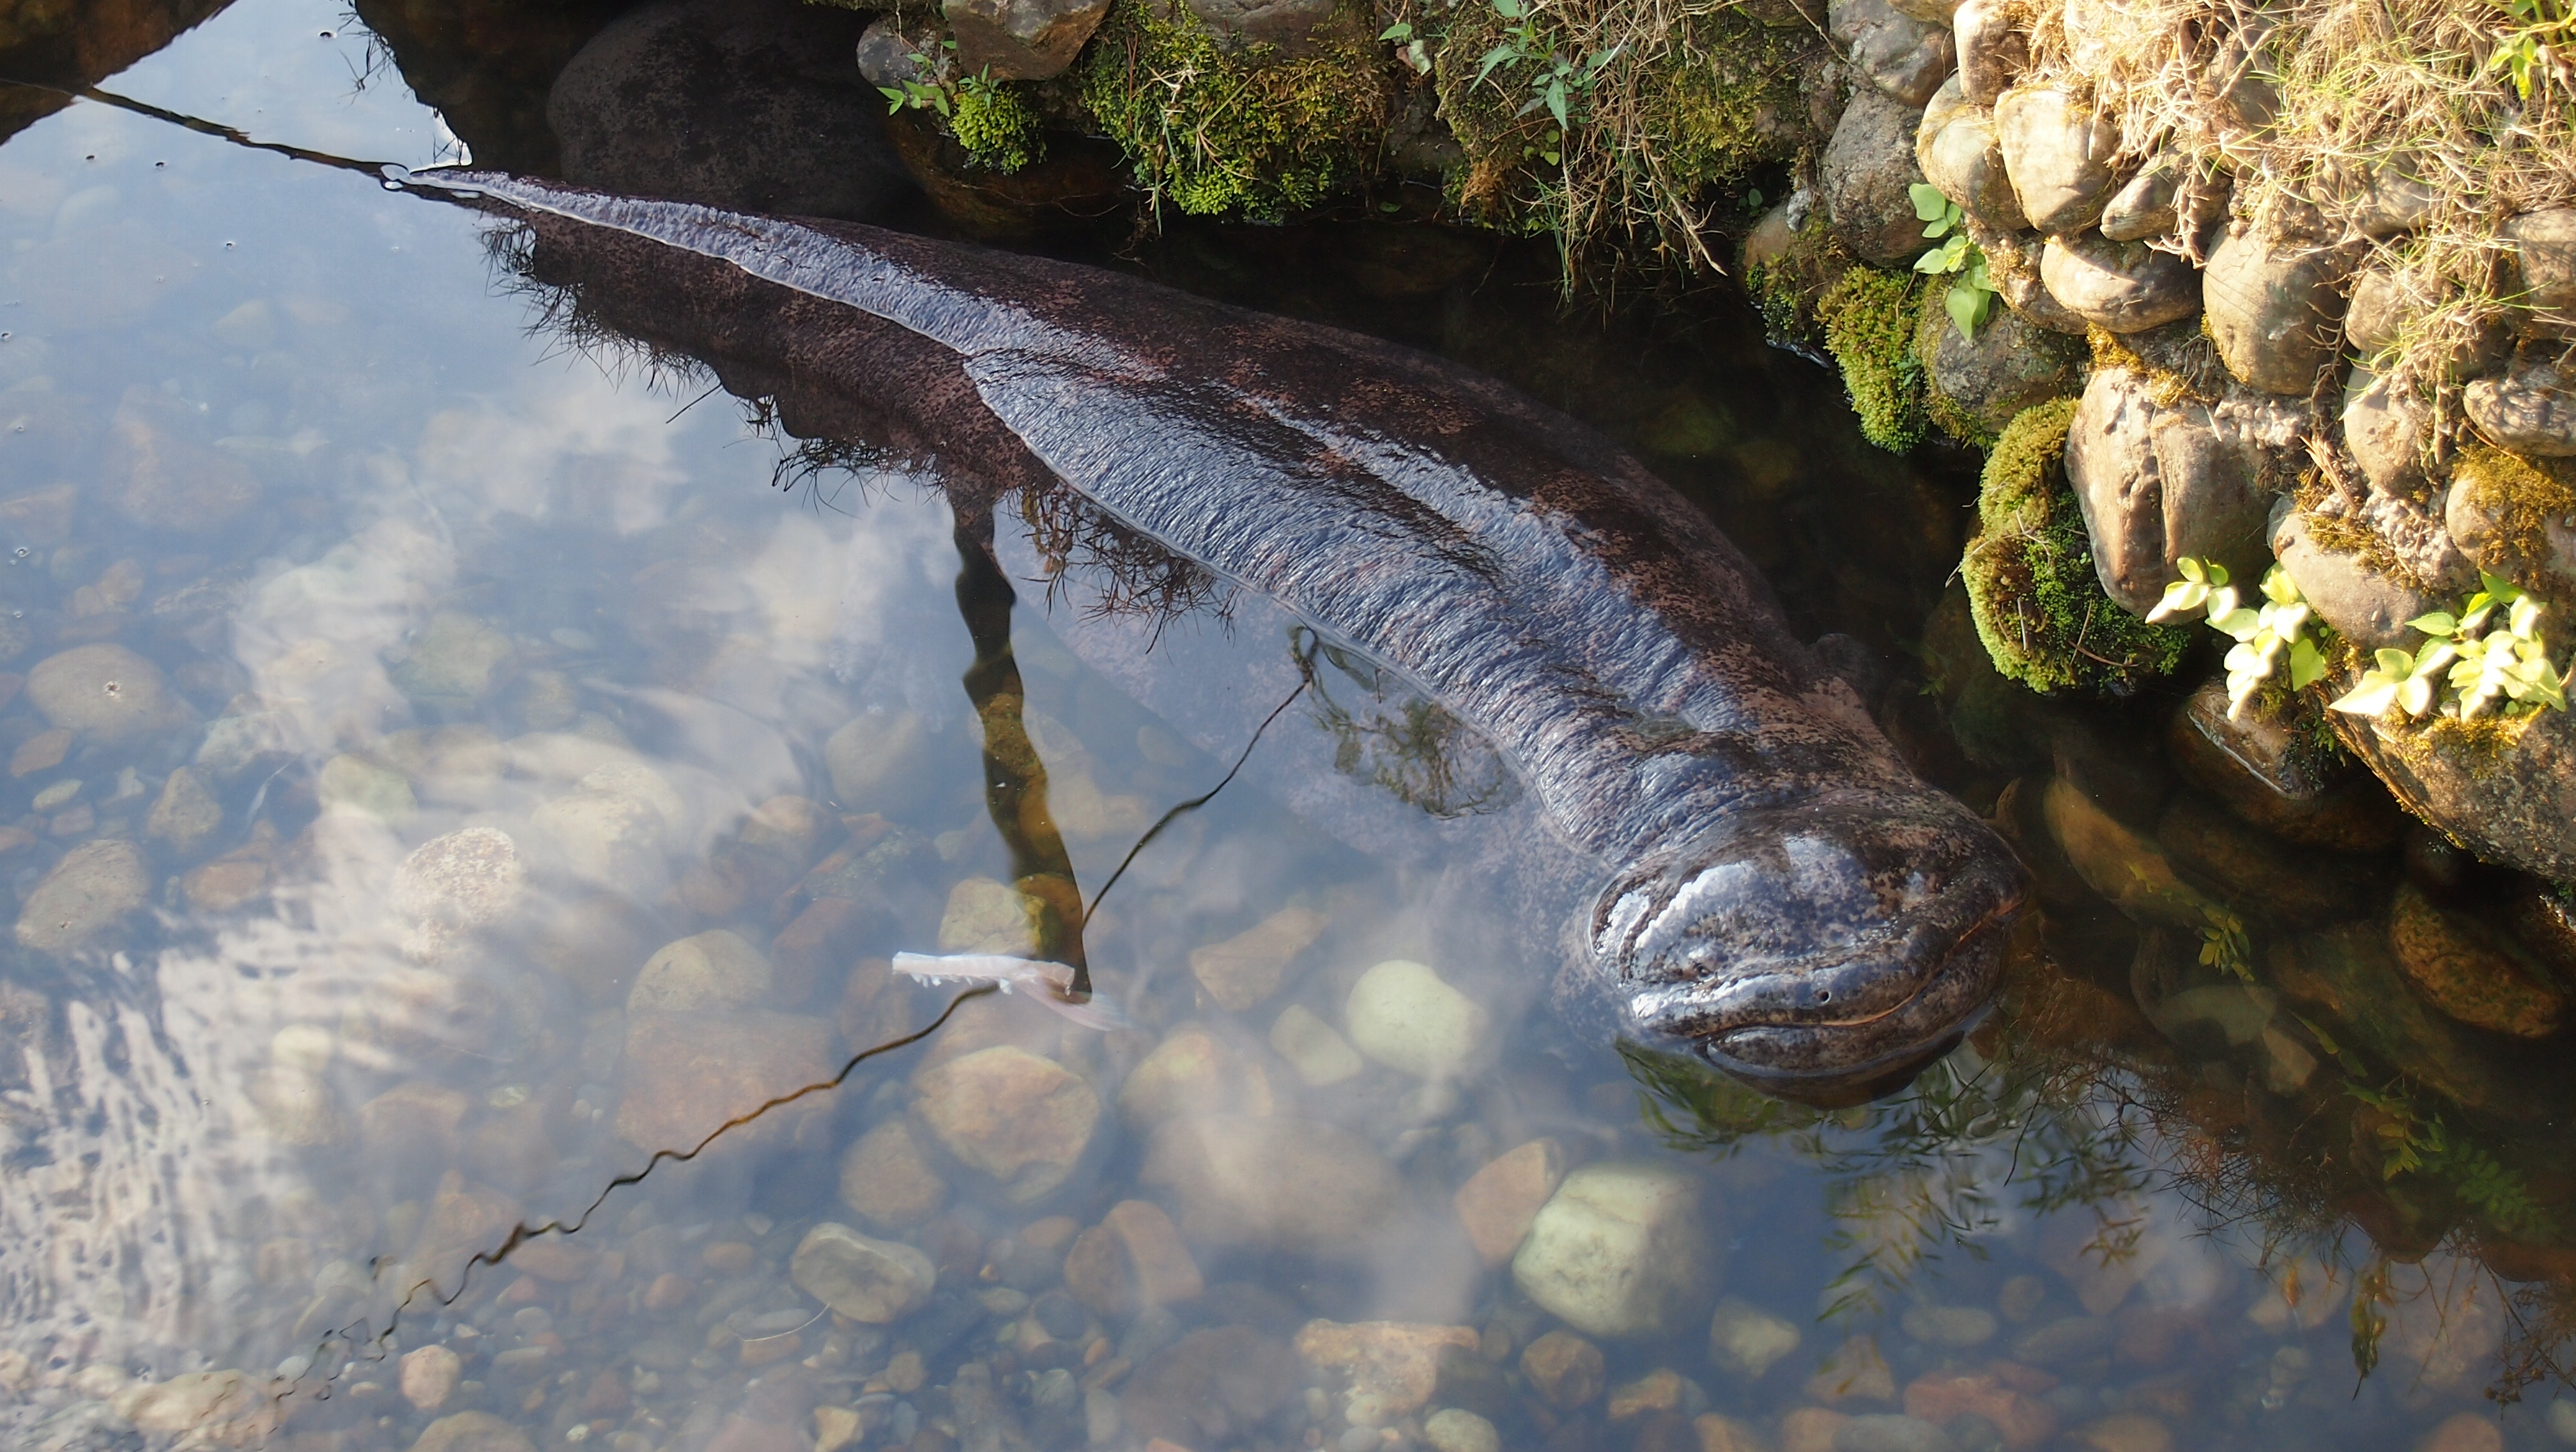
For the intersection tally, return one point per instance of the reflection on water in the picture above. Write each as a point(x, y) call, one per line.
point(443, 772)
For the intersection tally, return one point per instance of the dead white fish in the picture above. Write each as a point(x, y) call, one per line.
point(1050, 984)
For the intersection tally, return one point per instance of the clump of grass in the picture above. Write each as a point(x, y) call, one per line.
point(1658, 111)
point(1869, 319)
point(2400, 131)
point(2038, 605)
point(1249, 132)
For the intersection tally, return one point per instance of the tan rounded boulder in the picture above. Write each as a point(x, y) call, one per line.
point(105, 693)
point(2275, 309)
point(89, 892)
point(2058, 152)
point(1018, 1119)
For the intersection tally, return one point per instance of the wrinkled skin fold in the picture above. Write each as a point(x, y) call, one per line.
point(1769, 885)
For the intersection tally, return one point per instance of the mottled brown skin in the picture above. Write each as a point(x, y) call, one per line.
point(1770, 884)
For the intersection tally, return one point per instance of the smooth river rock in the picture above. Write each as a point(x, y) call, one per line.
point(2275, 309)
point(1387, 1369)
point(1405, 1016)
point(687, 1075)
point(1021, 40)
point(105, 693)
point(2058, 153)
point(2123, 287)
point(2543, 247)
point(1898, 54)
point(1956, 151)
point(472, 1432)
point(2531, 409)
point(1018, 1119)
point(699, 100)
point(1868, 166)
point(1993, 44)
point(1747, 1340)
point(887, 1181)
point(93, 889)
point(1277, 1184)
point(858, 1276)
point(2385, 429)
point(2011, 364)
point(711, 970)
point(1620, 1250)
point(2158, 483)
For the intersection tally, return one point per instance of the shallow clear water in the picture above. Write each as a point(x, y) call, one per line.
point(446, 769)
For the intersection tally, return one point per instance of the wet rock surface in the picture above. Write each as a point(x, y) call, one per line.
point(688, 99)
point(1867, 166)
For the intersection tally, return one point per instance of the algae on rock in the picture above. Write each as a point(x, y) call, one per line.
point(2038, 604)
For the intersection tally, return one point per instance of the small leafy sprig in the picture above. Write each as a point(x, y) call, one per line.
point(2479, 659)
point(2534, 46)
point(1971, 298)
point(1412, 49)
point(2224, 943)
point(2268, 636)
point(1556, 80)
point(921, 95)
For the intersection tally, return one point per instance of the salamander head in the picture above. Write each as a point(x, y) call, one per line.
point(1825, 950)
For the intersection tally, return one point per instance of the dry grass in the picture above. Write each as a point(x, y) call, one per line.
point(2388, 130)
point(1686, 97)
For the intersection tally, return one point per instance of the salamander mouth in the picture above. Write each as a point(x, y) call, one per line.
point(1823, 951)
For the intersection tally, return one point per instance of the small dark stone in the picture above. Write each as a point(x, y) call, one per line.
point(753, 105)
point(1060, 1314)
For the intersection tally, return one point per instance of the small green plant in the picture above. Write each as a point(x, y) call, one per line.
point(1556, 80)
point(915, 94)
point(1412, 49)
point(2414, 1141)
point(988, 118)
point(2535, 44)
point(2468, 662)
point(2268, 637)
point(1971, 297)
point(2224, 944)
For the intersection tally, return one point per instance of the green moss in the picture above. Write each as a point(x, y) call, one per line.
point(1703, 109)
point(2521, 497)
point(2038, 606)
point(996, 126)
point(1869, 319)
point(1247, 132)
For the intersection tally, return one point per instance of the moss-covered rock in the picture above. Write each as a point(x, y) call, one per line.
point(1788, 268)
point(1248, 131)
point(2038, 604)
point(1869, 318)
point(994, 123)
point(2516, 517)
point(1974, 386)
